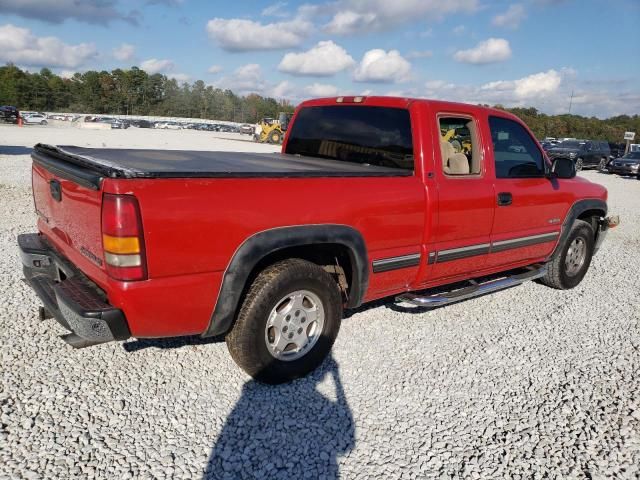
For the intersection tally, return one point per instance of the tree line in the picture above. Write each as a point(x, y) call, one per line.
point(135, 92)
point(611, 129)
point(130, 92)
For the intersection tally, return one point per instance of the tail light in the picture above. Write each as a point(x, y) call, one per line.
point(122, 239)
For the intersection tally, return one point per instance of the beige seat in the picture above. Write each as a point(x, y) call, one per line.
point(459, 164)
point(453, 163)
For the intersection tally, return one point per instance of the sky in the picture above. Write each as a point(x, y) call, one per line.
point(549, 54)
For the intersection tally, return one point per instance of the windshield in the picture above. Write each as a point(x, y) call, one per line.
point(632, 155)
point(360, 134)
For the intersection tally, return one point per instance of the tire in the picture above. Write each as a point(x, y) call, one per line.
point(602, 166)
point(562, 271)
point(579, 164)
point(43, 122)
point(252, 340)
point(275, 137)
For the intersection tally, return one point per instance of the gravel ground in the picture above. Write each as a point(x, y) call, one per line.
point(526, 383)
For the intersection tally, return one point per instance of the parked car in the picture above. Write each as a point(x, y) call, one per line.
point(247, 129)
point(628, 164)
point(9, 114)
point(341, 217)
point(120, 124)
point(35, 119)
point(585, 153)
point(617, 150)
point(141, 123)
point(168, 125)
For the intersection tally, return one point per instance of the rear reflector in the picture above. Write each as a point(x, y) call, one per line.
point(122, 239)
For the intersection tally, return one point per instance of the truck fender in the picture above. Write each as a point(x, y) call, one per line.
point(263, 243)
point(577, 209)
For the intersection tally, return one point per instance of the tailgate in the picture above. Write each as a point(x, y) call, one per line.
point(68, 200)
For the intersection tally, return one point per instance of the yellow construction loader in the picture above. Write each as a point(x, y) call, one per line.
point(461, 141)
point(271, 130)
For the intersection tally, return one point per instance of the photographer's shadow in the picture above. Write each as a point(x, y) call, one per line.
point(285, 431)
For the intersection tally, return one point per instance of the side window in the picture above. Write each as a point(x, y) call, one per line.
point(515, 151)
point(459, 146)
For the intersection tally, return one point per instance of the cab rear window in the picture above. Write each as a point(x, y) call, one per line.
point(378, 136)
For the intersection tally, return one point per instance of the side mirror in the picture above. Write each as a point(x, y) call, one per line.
point(563, 168)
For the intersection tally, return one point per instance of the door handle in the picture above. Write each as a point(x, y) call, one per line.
point(504, 199)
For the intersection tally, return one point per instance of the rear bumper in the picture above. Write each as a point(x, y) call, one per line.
point(71, 298)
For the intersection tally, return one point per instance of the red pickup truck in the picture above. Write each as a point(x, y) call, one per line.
point(371, 197)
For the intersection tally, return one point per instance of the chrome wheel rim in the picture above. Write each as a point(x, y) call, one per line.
point(576, 256)
point(294, 325)
point(579, 164)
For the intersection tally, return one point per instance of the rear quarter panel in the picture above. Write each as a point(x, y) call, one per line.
point(194, 226)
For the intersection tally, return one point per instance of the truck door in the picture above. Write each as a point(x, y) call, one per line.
point(460, 241)
point(529, 207)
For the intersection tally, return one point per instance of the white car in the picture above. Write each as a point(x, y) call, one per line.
point(169, 126)
point(35, 119)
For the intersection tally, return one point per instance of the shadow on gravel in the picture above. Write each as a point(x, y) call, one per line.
point(285, 431)
point(15, 150)
point(168, 343)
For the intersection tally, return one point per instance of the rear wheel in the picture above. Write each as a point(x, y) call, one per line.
point(571, 262)
point(287, 323)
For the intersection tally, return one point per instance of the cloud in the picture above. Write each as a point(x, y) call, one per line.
point(358, 16)
point(284, 89)
point(321, 90)
point(97, 12)
point(489, 51)
point(459, 30)
point(180, 77)
point(323, 60)
point(167, 3)
point(239, 35)
point(215, 69)
point(21, 46)
point(547, 91)
point(244, 80)
point(153, 65)
point(67, 73)
point(511, 18)
point(125, 52)
point(420, 54)
point(536, 89)
point(532, 86)
point(380, 66)
point(278, 9)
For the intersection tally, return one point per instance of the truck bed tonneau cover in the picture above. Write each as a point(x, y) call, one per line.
point(134, 163)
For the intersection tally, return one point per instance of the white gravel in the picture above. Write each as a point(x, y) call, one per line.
point(526, 383)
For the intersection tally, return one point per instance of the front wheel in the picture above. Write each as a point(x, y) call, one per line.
point(570, 264)
point(579, 164)
point(287, 323)
point(43, 122)
point(275, 137)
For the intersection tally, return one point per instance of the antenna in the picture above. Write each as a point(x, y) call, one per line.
point(570, 102)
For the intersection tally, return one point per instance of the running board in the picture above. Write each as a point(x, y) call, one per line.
point(474, 290)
